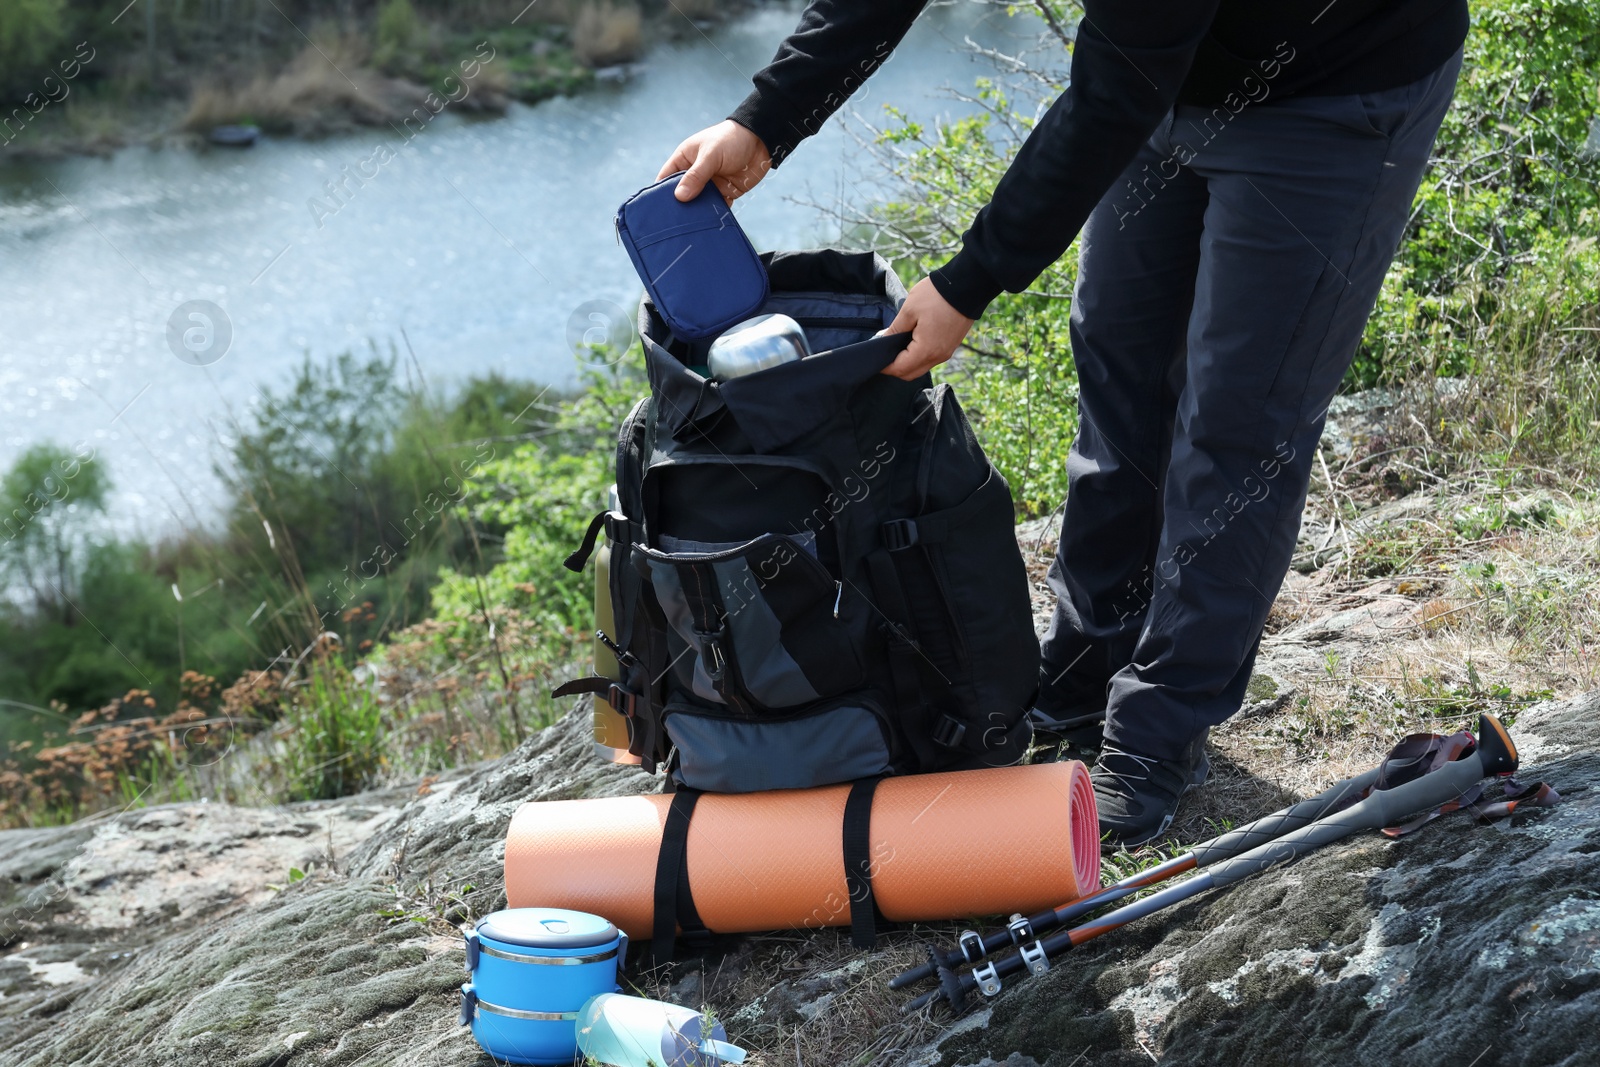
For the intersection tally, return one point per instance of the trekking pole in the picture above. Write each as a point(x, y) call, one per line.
point(1494, 755)
point(972, 947)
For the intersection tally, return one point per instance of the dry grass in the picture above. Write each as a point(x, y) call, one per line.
point(1479, 591)
point(605, 33)
point(325, 89)
point(846, 1012)
point(1495, 610)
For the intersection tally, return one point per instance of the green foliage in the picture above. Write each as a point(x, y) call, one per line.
point(49, 501)
point(1016, 377)
point(396, 30)
point(543, 495)
point(1024, 403)
point(332, 734)
point(346, 492)
point(31, 35)
point(1508, 185)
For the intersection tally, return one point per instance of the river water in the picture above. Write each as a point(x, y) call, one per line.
point(479, 238)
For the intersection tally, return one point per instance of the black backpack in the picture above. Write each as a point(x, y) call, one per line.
point(814, 572)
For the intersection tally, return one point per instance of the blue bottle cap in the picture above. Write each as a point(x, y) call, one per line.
point(555, 928)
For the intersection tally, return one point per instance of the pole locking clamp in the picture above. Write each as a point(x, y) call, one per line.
point(988, 979)
point(1033, 955)
point(971, 944)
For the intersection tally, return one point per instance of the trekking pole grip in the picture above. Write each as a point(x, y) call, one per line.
point(1495, 755)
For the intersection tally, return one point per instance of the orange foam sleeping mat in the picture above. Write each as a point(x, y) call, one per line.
point(940, 846)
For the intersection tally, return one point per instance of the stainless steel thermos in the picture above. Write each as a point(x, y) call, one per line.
point(757, 344)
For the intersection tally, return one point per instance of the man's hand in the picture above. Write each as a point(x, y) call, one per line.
point(937, 329)
point(727, 154)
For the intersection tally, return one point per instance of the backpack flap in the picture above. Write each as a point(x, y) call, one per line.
point(696, 263)
point(780, 405)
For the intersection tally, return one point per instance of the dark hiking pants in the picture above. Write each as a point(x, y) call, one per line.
point(1223, 287)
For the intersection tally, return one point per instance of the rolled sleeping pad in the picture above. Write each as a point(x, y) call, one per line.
point(940, 846)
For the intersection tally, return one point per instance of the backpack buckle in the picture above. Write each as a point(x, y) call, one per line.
point(949, 731)
point(712, 656)
point(899, 534)
point(623, 701)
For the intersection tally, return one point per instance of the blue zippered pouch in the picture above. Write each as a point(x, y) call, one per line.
point(696, 263)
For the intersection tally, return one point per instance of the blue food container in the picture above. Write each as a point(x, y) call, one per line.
point(531, 970)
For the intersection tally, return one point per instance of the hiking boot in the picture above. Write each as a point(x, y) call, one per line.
point(1137, 795)
point(1075, 737)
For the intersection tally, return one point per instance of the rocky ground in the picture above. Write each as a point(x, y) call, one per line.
point(324, 933)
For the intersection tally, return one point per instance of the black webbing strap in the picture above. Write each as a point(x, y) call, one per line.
point(622, 700)
point(708, 616)
point(581, 554)
point(591, 684)
point(864, 915)
point(674, 901)
point(916, 711)
point(935, 526)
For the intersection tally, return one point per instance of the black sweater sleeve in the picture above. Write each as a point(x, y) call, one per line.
point(836, 47)
point(1129, 60)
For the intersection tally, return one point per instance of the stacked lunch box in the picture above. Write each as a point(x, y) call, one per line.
point(531, 970)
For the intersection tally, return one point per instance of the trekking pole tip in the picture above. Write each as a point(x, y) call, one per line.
point(915, 974)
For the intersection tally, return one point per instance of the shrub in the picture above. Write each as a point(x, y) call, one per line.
point(31, 33)
point(397, 31)
point(607, 33)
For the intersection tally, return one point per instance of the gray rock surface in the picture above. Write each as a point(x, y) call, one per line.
point(1459, 944)
point(173, 936)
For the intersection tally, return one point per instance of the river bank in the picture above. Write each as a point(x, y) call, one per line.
point(306, 72)
point(467, 244)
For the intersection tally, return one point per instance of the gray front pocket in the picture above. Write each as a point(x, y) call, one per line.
point(760, 621)
point(840, 742)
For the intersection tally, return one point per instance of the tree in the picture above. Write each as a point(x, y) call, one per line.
point(31, 32)
point(49, 501)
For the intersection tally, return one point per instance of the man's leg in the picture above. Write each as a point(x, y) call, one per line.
point(1130, 309)
point(1308, 201)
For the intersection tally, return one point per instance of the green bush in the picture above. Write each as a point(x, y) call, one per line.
point(346, 491)
point(1508, 184)
point(1493, 278)
point(398, 30)
point(331, 735)
point(31, 35)
point(1015, 377)
point(543, 495)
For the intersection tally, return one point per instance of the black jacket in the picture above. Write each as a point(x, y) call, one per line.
point(1132, 60)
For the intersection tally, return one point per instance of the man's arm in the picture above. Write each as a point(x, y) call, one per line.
point(837, 46)
point(1127, 64)
point(1129, 59)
